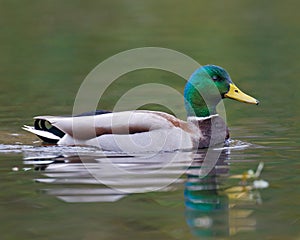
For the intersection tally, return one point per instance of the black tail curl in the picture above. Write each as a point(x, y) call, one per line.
point(40, 124)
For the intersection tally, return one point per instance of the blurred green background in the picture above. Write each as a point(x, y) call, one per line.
point(48, 47)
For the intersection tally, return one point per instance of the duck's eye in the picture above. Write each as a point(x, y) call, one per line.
point(215, 78)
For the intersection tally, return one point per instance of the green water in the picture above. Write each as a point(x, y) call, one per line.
point(47, 49)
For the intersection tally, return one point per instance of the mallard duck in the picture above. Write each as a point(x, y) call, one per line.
point(142, 130)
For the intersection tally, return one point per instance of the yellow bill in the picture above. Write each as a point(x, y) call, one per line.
point(237, 94)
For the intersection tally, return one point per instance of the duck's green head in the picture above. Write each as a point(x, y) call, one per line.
point(206, 87)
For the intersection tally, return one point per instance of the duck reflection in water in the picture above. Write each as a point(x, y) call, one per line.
point(110, 176)
point(218, 204)
point(217, 209)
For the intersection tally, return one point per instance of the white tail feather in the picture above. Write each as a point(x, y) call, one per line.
point(41, 133)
